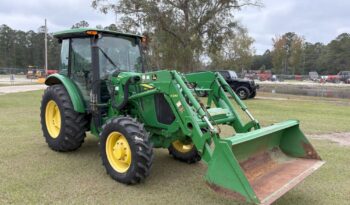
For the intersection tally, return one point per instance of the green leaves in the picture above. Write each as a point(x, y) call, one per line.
point(182, 31)
point(292, 55)
point(19, 49)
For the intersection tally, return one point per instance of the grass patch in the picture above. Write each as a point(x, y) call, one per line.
point(33, 174)
point(316, 116)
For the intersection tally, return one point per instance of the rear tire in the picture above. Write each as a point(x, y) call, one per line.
point(252, 95)
point(63, 128)
point(243, 92)
point(126, 150)
point(185, 152)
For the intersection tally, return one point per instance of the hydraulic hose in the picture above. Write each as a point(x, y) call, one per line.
point(122, 104)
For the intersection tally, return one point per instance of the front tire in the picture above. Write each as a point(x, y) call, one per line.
point(126, 150)
point(63, 128)
point(184, 151)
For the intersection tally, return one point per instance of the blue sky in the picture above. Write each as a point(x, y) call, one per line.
point(315, 20)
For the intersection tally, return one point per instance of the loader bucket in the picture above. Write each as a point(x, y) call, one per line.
point(262, 165)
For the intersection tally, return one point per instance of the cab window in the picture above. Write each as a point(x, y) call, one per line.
point(81, 65)
point(63, 67)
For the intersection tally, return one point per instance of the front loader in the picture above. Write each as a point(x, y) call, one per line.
point(103, 87)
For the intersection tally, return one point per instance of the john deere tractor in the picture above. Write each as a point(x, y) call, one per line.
point(103, 87)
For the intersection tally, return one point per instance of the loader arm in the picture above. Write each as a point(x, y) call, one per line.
point(255, 164)
point(132, 112)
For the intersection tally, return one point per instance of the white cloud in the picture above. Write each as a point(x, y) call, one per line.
point(316, 20)
point(62, 14)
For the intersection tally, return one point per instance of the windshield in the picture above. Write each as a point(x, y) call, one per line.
point(119, 53)
point(233, 74)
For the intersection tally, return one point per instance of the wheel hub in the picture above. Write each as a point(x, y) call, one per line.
point(53, 119)
point(118, 152)
point(241, 93)
point(182, 147)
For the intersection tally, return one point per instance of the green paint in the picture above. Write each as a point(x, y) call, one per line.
point(192, 119)
point(72, 89)
point(225, 157)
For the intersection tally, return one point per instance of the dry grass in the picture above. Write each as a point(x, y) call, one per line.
point(30, 173)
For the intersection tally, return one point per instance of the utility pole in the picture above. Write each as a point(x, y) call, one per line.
point(45, 48)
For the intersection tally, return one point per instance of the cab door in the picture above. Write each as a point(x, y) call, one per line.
point(81, 65)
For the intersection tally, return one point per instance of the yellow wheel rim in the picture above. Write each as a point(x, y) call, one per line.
point(118, 152)
point(53, 119)
point(182, 147)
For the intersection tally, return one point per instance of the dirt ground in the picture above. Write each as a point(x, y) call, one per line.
point(340, 138)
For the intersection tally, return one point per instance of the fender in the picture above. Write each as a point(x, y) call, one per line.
point(73, 91)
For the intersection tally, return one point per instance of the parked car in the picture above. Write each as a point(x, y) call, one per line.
point(243, 88)
point(35, 73)
point(265, 75)
point(333, 79)
point(274, 78)
point(51, 71)
point(344, 76)
point(261, 75)
point(298, 77)
point(313, 76)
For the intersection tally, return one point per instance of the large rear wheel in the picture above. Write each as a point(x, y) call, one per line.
point(126, 150)
point(185, 151)
point(63, 128)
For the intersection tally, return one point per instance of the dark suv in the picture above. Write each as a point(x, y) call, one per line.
point(344, 76)
point(243, 88)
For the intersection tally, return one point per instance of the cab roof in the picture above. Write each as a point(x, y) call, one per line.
point(80, 32)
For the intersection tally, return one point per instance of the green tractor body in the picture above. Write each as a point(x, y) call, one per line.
point(106, 90)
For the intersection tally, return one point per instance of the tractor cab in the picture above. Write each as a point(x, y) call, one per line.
point(102, 87)
point(89, 57)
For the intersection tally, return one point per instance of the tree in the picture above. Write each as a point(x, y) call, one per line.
point(262, 62)
point(313, 54)
point(235, 53)
point(112, 27)
point(337, 55)
point(81, 24)
point(287, 53)
point(19, 49)
point(99, 26)
point(182, 30)
point(7, 52)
